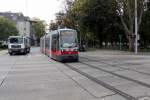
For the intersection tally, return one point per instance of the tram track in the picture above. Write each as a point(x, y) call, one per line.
point(116, 66)
point(118, 75)
point(104, 84)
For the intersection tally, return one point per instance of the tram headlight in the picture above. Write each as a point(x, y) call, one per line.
point(62, 50)
point(75, 49)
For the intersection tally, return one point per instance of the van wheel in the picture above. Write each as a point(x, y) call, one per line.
point(76, 60)
point(25, 52)
point(28, 51)
point(10, 53)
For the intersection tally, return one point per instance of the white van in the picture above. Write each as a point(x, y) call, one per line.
point(18, 44)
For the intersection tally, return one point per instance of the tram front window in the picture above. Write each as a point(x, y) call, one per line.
point(68, 39)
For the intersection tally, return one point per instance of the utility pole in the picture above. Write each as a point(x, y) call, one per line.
point(136, 29)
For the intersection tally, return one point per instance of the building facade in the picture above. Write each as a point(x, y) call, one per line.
point(22, 22)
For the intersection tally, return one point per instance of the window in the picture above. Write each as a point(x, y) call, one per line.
point(16, 40)
point(68, 39)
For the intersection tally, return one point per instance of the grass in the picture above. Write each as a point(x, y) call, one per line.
point(145, 50)
point(92, 49)
point(142, 50)
point(3, 48)
point(108, 48)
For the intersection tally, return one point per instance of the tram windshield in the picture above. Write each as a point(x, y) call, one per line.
point(68, 39)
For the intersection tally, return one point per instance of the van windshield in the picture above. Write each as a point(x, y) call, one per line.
point(16, 40)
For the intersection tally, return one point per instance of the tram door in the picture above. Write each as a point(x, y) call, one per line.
point(55, 46)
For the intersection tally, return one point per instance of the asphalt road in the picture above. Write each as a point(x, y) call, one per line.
point(99, 75)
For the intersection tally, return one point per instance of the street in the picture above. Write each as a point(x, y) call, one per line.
point(99, 75)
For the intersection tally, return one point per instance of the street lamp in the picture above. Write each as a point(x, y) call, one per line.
point(136, 29)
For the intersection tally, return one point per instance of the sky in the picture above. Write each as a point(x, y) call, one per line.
point(43, 9)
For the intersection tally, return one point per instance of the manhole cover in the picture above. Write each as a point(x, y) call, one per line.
point(144, 98)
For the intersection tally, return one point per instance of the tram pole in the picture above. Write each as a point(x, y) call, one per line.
point(136, 29)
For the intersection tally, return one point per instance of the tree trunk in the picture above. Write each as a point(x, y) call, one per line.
point(131, 43)
point(100, 43)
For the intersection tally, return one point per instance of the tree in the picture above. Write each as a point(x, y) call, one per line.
point(100, 21)
point(63, 20)
point(39, 28)
point(98, 17)
point(7, 28)
point(144, 30)
point(126, 9)
point(53, 26)
point(97, 21)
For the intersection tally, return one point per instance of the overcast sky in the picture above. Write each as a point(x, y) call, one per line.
point(43, 9)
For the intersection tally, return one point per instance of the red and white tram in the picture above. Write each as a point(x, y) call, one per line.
point(61, 45)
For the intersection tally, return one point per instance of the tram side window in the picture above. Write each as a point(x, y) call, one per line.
point(47, 43)
point(53, 46)
point(55, 42)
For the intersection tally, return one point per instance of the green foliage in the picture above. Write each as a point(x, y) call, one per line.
point(145, 30)
point(126, 10)
point(53, 26)
point(39, 28)
point(99, 21)
point(7, 28)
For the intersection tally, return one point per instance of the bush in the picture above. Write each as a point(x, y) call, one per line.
point(3, 46)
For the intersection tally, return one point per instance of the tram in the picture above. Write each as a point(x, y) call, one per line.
point(60, 45)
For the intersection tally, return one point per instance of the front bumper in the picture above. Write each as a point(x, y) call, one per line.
point(69, 57)
point(20, 50)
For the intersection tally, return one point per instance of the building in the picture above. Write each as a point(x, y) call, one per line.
point(24, 27)
point(22, 22)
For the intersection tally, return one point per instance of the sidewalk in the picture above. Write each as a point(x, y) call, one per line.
point(37, 77)
point(2, 52)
